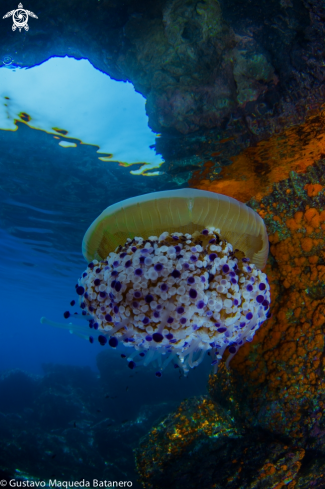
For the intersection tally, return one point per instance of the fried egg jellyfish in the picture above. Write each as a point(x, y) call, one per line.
point(172, 275)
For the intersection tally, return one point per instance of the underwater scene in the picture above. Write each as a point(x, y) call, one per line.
point(162, 226)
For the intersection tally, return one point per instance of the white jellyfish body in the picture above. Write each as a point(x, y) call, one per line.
point(173, 296)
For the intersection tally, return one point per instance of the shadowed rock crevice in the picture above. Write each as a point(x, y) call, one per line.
point(200, 65)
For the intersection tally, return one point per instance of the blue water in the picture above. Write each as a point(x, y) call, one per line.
point(49, 195)
point(48, 199)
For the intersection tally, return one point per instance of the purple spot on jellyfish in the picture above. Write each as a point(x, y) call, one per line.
point(80, 290)
point(102, 340)
point(138, 272)
point(108, 318)
point(225, 268)
point(72, 303)
point(192, 293)
point(182, 320)
point(249, 316)
point(131, 364)
point(205, 232)
point(176, 273)
point(66, 314)
point(157, 337)
point(200, 305)
point(113, 342)
point(158, 267)
point(260, 299)
point(212, 256)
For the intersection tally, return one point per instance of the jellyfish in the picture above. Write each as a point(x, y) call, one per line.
point(173, 275)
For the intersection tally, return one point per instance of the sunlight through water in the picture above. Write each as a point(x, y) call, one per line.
point(72, 100)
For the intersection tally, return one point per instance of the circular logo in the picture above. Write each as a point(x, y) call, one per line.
point(7, 60)
point(20, 18)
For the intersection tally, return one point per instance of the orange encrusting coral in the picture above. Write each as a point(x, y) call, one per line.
point(286, 354)
point(313, 189)
point(256, 168)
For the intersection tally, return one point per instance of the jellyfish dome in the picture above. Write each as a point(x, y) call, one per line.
point(174, 274)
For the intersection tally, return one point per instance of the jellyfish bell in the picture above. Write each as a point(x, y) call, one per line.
point(174, 274)
point(186, 211)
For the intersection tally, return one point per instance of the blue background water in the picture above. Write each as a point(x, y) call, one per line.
point(49, 196)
